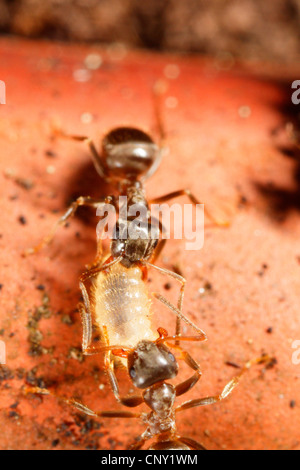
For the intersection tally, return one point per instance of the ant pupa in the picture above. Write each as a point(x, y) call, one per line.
point(150, 365)
point(118, 306)
point(128, 157)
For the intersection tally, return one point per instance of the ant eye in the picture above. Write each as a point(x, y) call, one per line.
point(132, 372)
point(171, 357)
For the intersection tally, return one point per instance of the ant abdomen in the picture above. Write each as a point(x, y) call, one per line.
point(169, 445)
point(129, 154)
point(121, 303)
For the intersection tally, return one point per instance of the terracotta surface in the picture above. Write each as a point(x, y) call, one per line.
point(243, 286)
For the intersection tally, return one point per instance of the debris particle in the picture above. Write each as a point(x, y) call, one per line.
point(264, 267)
point(14, 405)
point(272, 363)
point(208, 285)
point(50, 154)
point(25, 183)
point(243, 201)
point(76, 353)
point(35, 335)
point(22, 220)
point(206, 288)
point(269, 330)
point(292, 404)
point(33, 380)
point(232, 364)
point(67, 320)
point(40, 287)
point(5, 373)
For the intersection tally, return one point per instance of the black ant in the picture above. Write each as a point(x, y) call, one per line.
point(128, 157)
point(150, 364)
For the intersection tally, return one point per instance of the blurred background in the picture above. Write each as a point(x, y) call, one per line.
point(245, 29)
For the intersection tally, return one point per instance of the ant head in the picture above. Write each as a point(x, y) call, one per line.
point(150, 363)
point(128, 154)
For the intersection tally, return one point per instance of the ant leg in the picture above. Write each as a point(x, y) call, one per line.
point(81, 407)
point(81, 201)
point(185, 386)
point(86, 319)
point(98, 258)
point(226, 390)
point(182, 280)
point(140, 442)
point(193, 199)
point(178, 313)
point(99, 254)
point(129, 401)
point(162, 241)
point(81, 138)
point(85, 310)
point(158, 250)
point(158, 90)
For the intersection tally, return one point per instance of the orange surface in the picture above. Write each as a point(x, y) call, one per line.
point(225, 127)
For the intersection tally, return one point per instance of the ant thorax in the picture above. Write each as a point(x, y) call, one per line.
point(120, 302)
point(160, 398)
point(135, 234)
point(134, 241)
point(158, 425)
